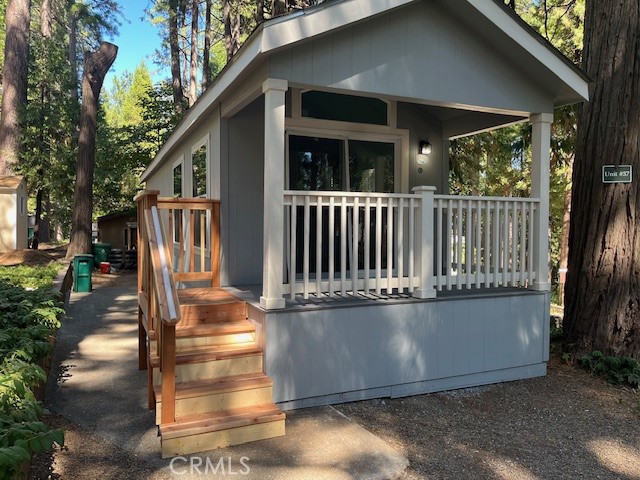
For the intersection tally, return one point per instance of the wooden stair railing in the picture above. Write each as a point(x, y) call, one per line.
point(181, 213)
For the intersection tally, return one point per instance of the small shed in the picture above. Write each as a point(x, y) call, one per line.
point(119, 229)
point(13, 213)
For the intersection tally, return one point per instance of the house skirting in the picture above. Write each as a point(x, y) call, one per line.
point(346, 352)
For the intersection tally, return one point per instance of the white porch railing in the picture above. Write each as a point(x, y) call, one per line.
point(351, 243)
point(484, 241)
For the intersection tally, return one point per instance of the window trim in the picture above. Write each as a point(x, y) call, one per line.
point(204, 141)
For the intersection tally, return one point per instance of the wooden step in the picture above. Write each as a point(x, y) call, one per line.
point(219, 394)
point(208, 305)
point(213, 361)
point(197, 433)
point(223, 333)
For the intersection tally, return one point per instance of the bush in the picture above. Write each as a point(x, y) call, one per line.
point(617, 370)
point(28, 319)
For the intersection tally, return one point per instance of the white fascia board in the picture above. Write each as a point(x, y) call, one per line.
point(322, 19)
point(523, 38)
point(250, 52)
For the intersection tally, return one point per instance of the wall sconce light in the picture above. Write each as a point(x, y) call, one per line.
point(424, 148)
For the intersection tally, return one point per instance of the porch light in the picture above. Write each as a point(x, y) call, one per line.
point(424, 148)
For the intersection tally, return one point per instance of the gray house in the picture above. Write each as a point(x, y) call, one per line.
point(325, 141)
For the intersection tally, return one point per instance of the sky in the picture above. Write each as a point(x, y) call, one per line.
point(137, 40)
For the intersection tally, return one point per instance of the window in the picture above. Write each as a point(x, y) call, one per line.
point(199, 166)
point(177, 180)
point(177, 192)
point(344, 108)
point(317, 163)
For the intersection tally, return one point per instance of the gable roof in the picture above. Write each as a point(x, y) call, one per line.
point(10, 182)
point(331, 15)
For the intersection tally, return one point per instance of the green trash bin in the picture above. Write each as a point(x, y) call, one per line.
point(101, 253)
point(82, 268)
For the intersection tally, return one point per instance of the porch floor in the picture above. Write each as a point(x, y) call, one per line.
point(251, 294)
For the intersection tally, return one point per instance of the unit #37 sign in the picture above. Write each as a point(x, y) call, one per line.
point(616, 174)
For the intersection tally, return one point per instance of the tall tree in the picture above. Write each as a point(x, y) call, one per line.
point(206, 54)
point(193, 64)
point(96, 65)
point(14, 81)
point(603, 283)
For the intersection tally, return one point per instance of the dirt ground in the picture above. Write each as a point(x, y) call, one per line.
point(43, 255)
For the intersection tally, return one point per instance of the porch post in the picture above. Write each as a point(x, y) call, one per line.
point(424, 243)
point(540, 153)
point(273, 242)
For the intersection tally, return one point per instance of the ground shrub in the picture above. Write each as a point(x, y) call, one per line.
point(29, 317)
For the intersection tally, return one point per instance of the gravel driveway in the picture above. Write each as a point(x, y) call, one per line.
point(566, 425)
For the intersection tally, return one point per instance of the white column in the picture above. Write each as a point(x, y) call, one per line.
point(424, 243)
point(540, 153)
point(273, 245)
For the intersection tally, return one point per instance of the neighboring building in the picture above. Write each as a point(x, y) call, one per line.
point(13, 213)
point(118, 229)
point(326, 142)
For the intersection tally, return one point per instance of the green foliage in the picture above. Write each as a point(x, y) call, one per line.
point(27, 321)
point(30, 277)
point(617, 370)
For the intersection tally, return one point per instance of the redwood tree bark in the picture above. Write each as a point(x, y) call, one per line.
point(14, 81)
point(603, 283)
point(174, 47)
point(193, 67)
point(96, 66)
point(206, 54)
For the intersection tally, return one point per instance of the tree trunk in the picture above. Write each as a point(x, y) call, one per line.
point(564, 241)
point(96, 66)
point(174, 47)
point(193, 70)
point(206, 68)
point(259, 12)
point(603, 282)
point(14, 81)
point(73, 51)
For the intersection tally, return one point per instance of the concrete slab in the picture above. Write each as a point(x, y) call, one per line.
point(95, 383)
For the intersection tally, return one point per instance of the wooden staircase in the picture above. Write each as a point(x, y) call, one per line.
point(211, 369)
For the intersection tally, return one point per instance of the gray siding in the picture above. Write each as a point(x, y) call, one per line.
point(422, 126)
point(419, 51)
point(243, 194)
point(319, 355)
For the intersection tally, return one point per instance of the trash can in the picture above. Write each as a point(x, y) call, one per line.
point(105, 267)
point(101, 253)
point(82, 268)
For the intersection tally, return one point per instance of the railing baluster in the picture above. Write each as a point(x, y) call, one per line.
point(450, 238)
point(468, 244)
point(332, 243)
point(505, 249)
point(412, 242)
point(293, 253)
point(478, 240)
point(459, 243)
point(514, 243)
point(378, 245)
point(523, 241)
point(439, 245)
point(319, 247)
point(487, 242)
point(203, 227)
point(305, 246)
point(389, 245)
point(400, 255)
point(343, 247)
point(496, 243)
point(367, 244)
point(192, 240)
point(530, 245)
point(354, 250)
